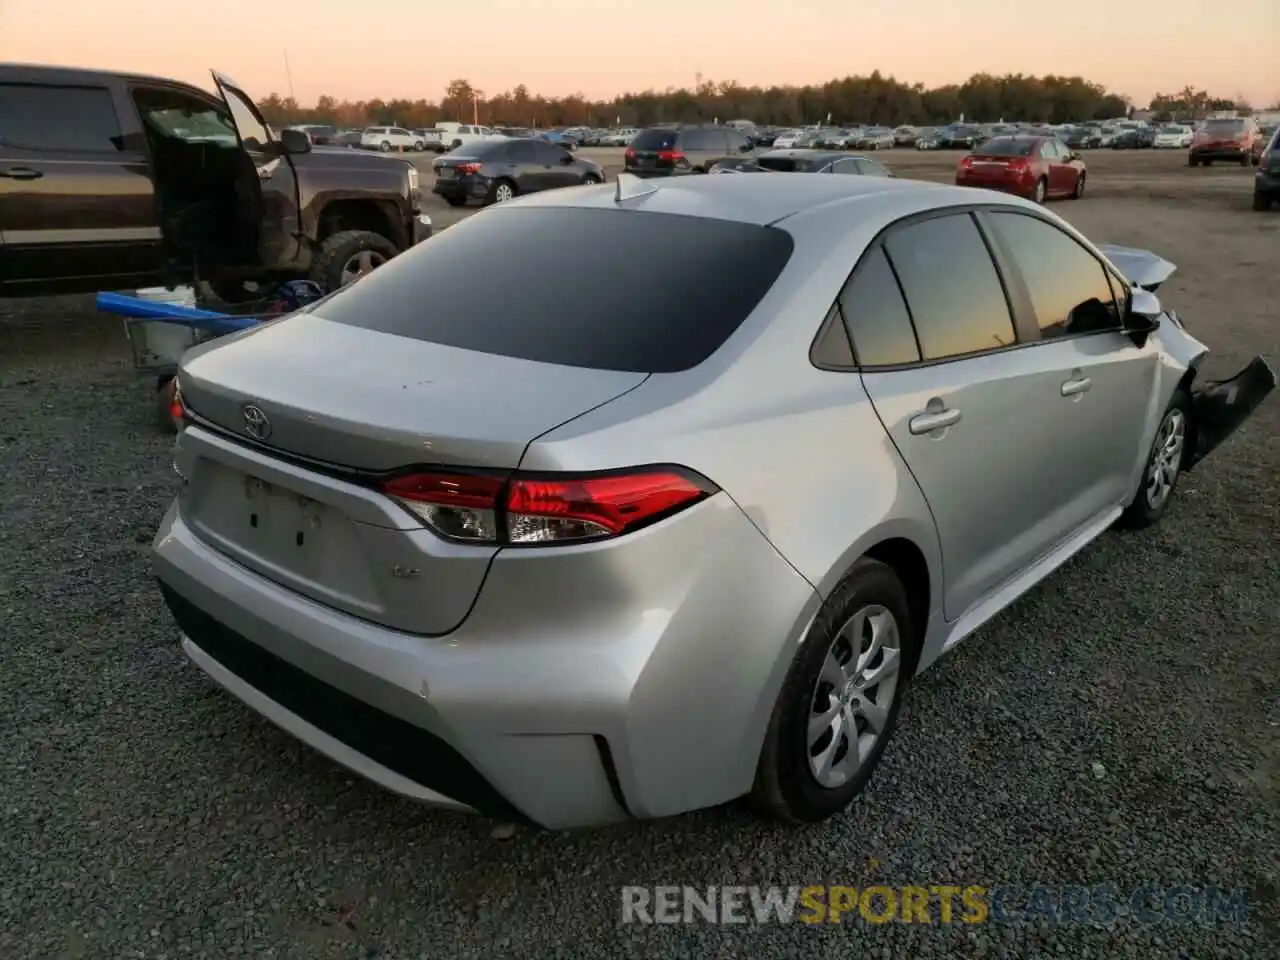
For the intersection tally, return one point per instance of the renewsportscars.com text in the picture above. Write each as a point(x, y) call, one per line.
point(1100, 905)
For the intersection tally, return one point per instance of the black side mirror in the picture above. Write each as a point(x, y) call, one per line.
point(295, 141)
point(566, 159)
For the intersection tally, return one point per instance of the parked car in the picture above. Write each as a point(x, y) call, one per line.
point(321, 134)
point(961, 137)
point(1224, 139)
point(390, 138)
point(518, 133)
point(820, 161)
point(905, 136)
point(1172, 136)
point(787, 139)
point(372, 536)
point(348, 138)
point(1134, 138)
point(561, 138)
point(1033, 167)
point(501, 170)
point(872, 138)
point(1266, 180)
point(930, 138)
point(1083, 138)
point(169, 176)
point(668, 151)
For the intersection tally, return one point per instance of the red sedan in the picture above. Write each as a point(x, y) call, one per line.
point(1033, 167)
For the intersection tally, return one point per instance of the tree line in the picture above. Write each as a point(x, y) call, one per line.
point(856, 99)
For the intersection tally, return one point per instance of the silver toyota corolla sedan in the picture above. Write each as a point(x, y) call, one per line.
point(623, 501)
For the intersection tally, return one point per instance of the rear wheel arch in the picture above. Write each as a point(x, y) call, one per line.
point(375, 216)
point(909, 564)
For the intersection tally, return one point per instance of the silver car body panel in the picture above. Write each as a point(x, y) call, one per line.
point(636, 676)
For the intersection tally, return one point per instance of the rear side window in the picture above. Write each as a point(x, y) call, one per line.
point(876, 316)
point(780, 164)
point(655, 293)
point(655, 140)
point(951, 287)
point(74, 119)
point(873, 169)
point(703, 139)
point(1068, 285)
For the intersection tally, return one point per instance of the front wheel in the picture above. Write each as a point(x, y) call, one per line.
point(1164, 465)
point(840, 700)
point(349, 255)
point(456, 201)
point(1079, 190)
point(591, 180)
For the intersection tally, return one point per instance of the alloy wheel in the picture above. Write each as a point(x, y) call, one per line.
point(853, 695)
point(502, 193)
point(360, 264)
point(1166, 458)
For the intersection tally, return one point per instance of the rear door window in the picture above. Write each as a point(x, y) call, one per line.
point(71, 119)
point(780, 164)
point(873, 169)
point(876, 315)
point(676, 287)
point(951, 286)
point(654, 140)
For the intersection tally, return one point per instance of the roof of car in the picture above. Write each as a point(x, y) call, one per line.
point(74, 75)
point(758, 200)
point(800, 153)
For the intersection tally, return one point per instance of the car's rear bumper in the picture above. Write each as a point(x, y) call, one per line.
point(588, 684)
point(1219, 153)
point(461, 188)
point(1267, 184)
point(1012, 185)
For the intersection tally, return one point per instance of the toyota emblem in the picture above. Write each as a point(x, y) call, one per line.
point(256, 423)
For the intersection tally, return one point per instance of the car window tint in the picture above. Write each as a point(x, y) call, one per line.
point(876, 316)
point(252, 133)
point(951, 286)
point(676, 287)
point(522, 151)
point(873, 169)
point(779, 164)
point(79, 119)
point(548, 153)
point(845, 167)
point(1068, 284)
point(655, 139)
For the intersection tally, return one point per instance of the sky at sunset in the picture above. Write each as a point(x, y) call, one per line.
point(411, 48)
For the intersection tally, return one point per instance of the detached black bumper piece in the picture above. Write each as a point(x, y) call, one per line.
point(395, 743)
point(1220, 406)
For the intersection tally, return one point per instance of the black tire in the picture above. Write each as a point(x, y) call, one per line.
point(591, 179)
point(1193, 161)
point(456, 201)
point(215, 293)
point(1261, 201)
point(419, 147)
point(1141, 512)
point(785, 786)
point(1079, 190)
point(1041, 191)
point(1207, 163)
point(336, 251)
point(384, 146)
point(496, 190)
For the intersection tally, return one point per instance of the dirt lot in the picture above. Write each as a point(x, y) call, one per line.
point(143, 813)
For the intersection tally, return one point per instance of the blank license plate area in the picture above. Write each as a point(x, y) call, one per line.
point(277, 531)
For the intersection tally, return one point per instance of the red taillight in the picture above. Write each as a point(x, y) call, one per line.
point(670, 155)
point(467, 168)
point(966, 161)
point(545, 509)
point(630, 154)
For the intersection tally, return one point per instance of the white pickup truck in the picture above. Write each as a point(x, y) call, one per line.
point(454, 135)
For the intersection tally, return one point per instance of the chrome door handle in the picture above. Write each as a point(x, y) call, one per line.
point(929, 422)
point(1073, 388)
point(21, 173)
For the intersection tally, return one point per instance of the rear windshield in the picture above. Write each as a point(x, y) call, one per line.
point(1224, 126)
point(604, 289)
point(781, 164)
point(655, 140)
point(1007, 147)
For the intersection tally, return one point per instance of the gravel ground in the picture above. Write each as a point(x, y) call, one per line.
point(147, 814)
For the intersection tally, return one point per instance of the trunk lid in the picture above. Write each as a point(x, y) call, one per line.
point(357, 402)
point(373, 401)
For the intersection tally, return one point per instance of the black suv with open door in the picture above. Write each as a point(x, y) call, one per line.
point(116, 181)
